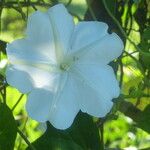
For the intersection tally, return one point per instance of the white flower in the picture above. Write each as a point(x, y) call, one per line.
point(64, 67)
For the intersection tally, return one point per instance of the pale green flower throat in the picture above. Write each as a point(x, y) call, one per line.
point(64, 67)
point(68, 63)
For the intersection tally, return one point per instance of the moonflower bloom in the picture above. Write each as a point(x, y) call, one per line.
point(63, 67)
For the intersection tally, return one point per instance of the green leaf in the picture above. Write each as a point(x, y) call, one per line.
point(3, 46)
point(146, 34)
point(85, 132)
point(82, 135)
point(145, 46)
point(112, 6)
point(143, 120)
point(8, 128)
point(48, 142)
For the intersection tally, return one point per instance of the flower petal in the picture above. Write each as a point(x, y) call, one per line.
point(40, 33)
point(63, 26)
point(25, 78)
point(67, 107)
point(92, 44)
point(97, 87)
point(38, 104)
point(19, 79)
point(39, 27)
point(29, 51)
point(87, 32)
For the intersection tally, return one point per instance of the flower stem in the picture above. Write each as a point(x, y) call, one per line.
point(17, 102)
point(102, 136)
point(26, 140)
point(91, 10)
point(20, 139)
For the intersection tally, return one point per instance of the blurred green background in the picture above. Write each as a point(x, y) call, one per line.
point(132, 68)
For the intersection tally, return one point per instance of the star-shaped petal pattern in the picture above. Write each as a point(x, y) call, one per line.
point(63, 67)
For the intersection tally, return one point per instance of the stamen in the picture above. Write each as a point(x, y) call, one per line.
point(64, 66)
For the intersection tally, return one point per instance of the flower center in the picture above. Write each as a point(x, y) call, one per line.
point(68, 63)
point(64, 67)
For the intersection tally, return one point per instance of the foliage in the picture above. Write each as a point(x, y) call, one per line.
point(130, 116)
point(8, 128)
point(76, 137)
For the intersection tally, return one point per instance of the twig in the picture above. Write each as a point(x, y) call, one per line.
point(25, 4)
point(129, 53)
point(69, 2)
point(91, 10)
point(17, 102)
point(138, 63)
point(2, 86)
point(121, 29)
point(26, 140)
point(20, 140)
point(102, 136)
point(121, 73)
point(1, 9)
point(4, 95)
